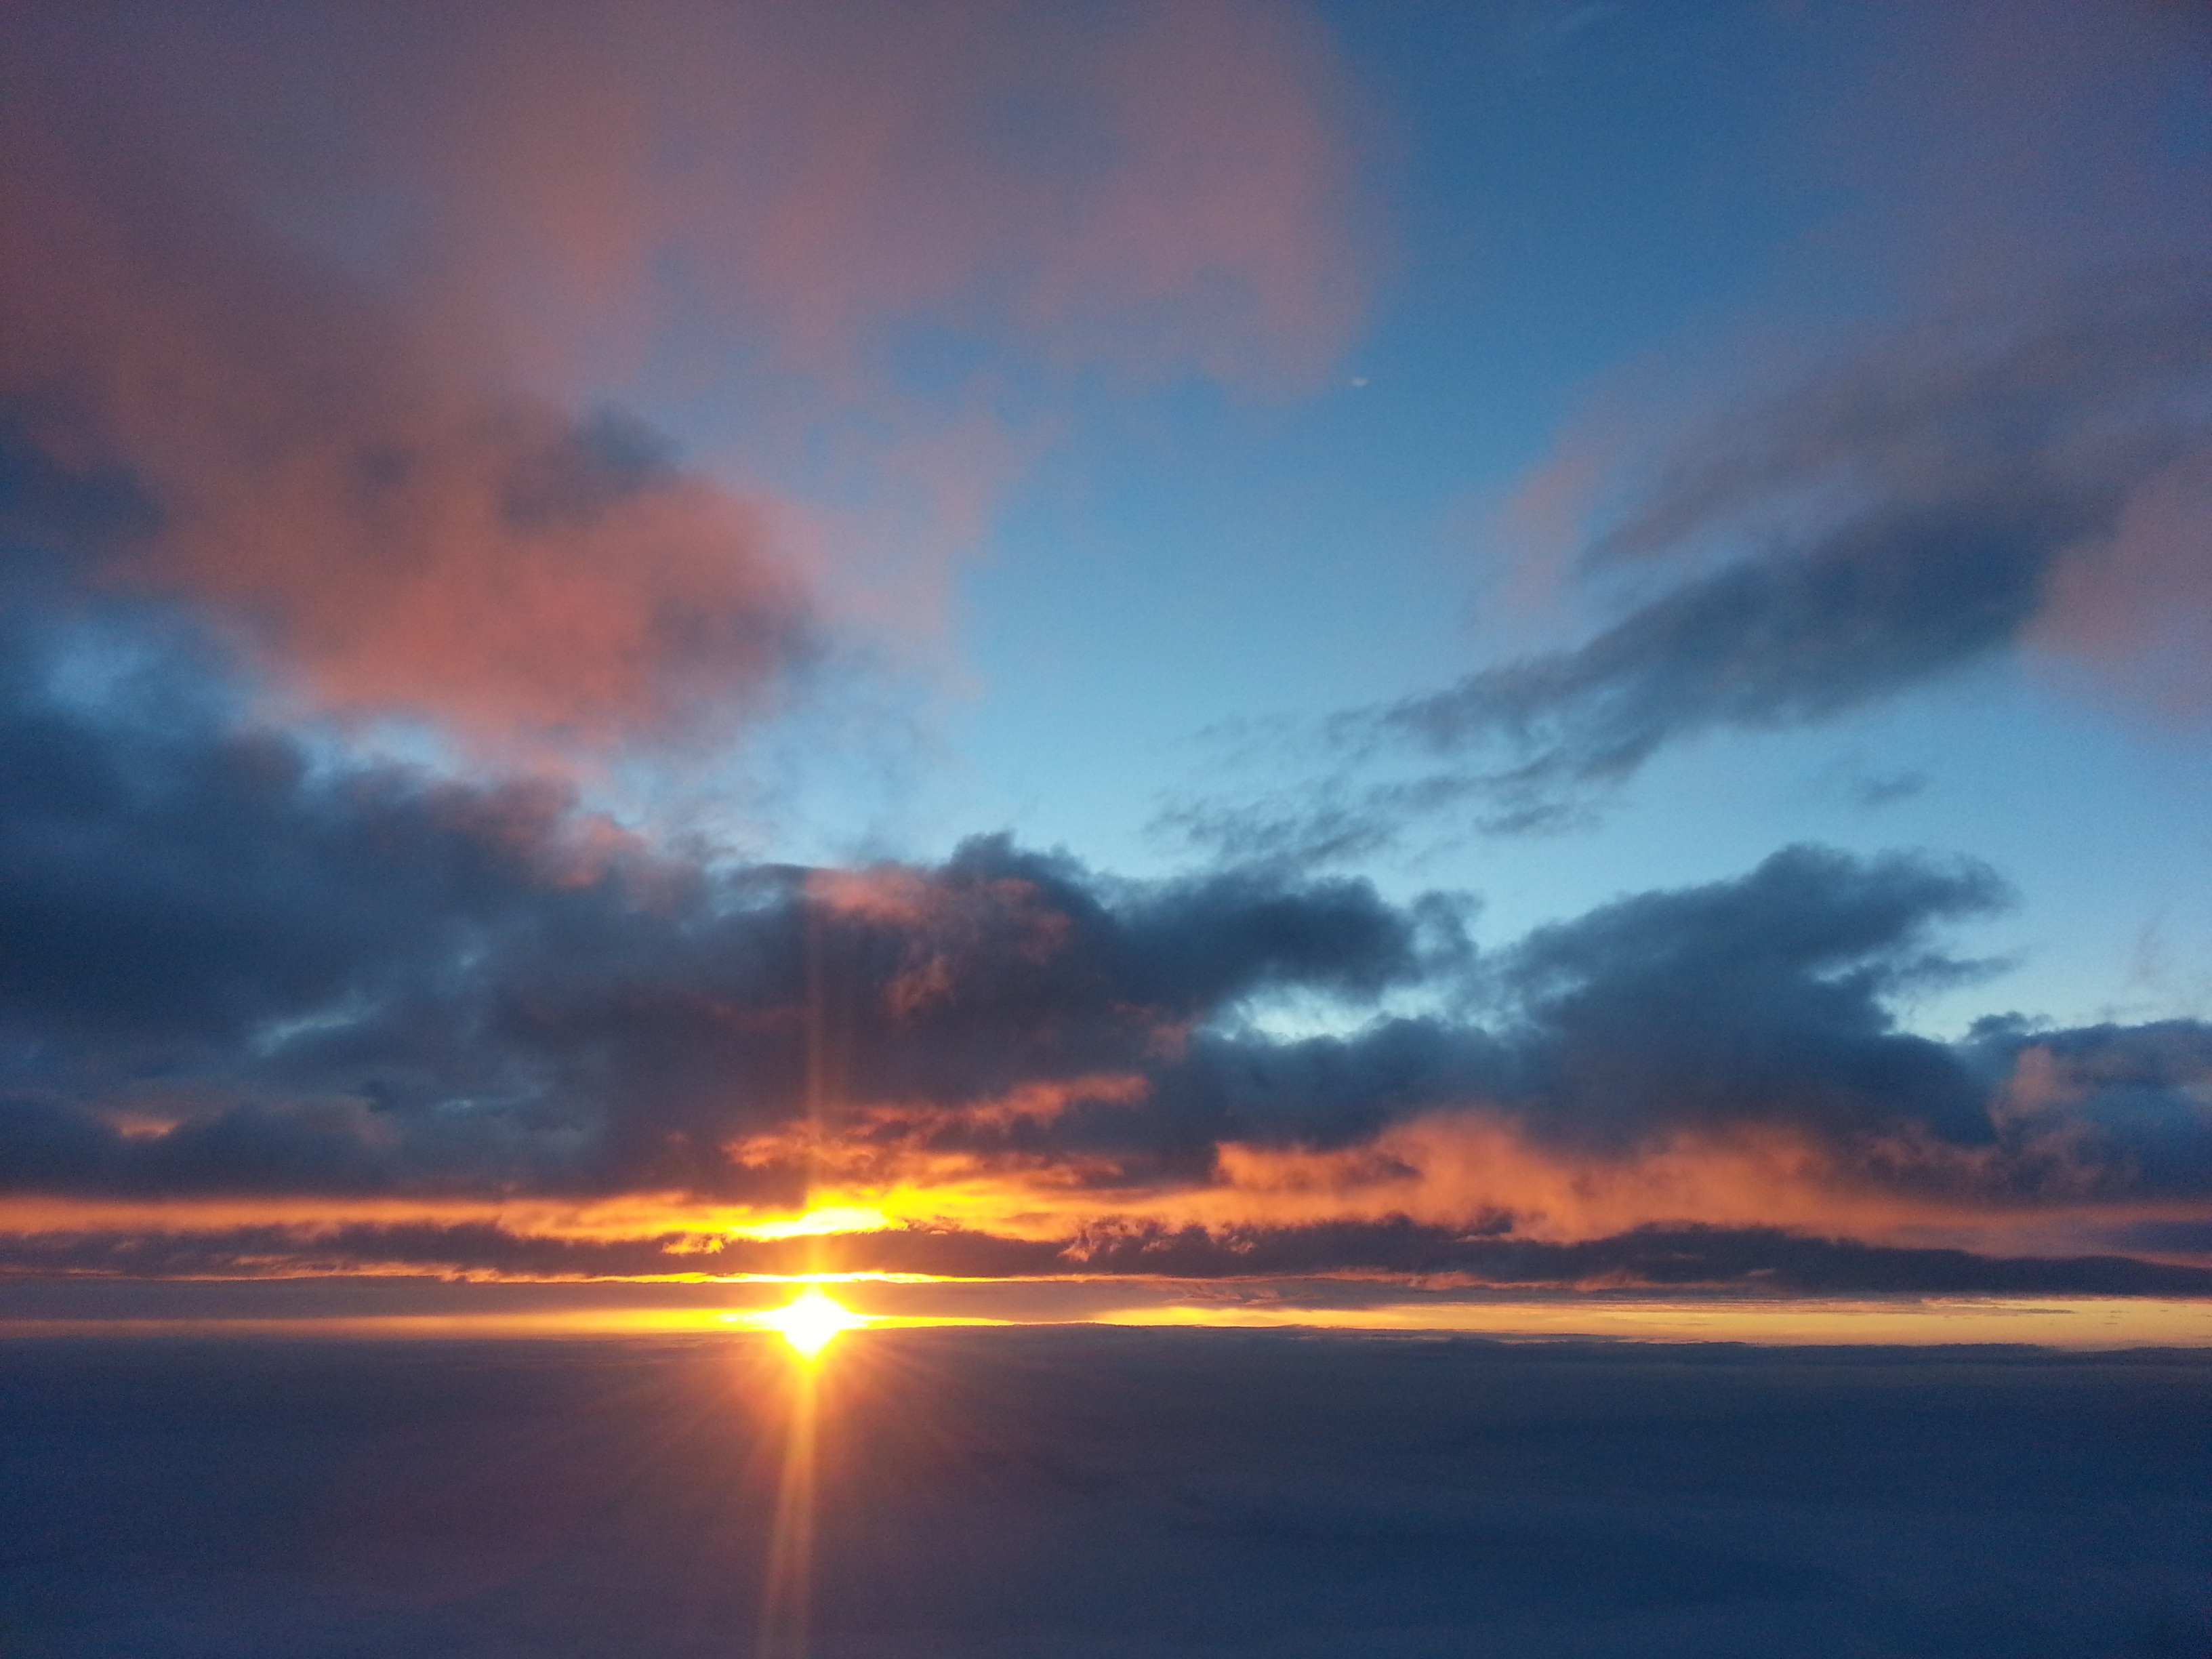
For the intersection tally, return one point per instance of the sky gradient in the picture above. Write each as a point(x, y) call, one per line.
point(1520, 667)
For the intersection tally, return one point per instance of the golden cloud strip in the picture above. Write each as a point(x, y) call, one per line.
point(2079, 1323)
point(2102, 1323)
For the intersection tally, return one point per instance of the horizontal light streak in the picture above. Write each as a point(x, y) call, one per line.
point(2088, 1323)
point(2080, 1323)
point(491, 1327)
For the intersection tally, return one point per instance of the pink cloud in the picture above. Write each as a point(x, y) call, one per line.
point(334, 287)
point(2130, 612)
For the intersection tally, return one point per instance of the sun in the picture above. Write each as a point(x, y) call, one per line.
point(809, 1322)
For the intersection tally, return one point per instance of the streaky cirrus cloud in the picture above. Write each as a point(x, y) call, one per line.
point(238, 979)
point(2003, 449)
point(1921, 506)
point(345, 297)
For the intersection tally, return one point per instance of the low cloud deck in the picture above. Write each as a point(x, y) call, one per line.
point(1090, 1492)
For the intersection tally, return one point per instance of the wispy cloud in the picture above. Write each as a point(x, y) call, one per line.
point(1924, 505)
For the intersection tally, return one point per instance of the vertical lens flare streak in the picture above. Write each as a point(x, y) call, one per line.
point(809, 1323)
point(787, 1588)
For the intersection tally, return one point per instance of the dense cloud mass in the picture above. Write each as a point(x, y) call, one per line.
point(239, 973)
point(361, 980)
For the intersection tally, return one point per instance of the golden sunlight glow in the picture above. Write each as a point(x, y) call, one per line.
point(809, 1322)
point(837, 1219)
point(2081, 1323)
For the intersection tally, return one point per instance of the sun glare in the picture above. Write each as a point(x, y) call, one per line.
point(811, 1322)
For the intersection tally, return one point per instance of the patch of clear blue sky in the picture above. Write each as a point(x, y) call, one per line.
point(1564, 190)
point(1558, 199)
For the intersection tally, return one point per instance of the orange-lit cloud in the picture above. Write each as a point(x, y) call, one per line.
point(442, 1038)
point(1461, 1170)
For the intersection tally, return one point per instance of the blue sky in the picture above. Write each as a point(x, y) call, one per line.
point(1577, 219)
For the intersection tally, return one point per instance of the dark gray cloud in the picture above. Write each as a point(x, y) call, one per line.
point(233, 969)
point(360, 979)
point(486, 1248)
point(230, 966)
point(1901, 516)
point(1763, 998)
point(2103, 1107)
point(1759, 1258)
point(1761, 1261)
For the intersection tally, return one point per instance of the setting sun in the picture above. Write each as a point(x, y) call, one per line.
point(811, 1322)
